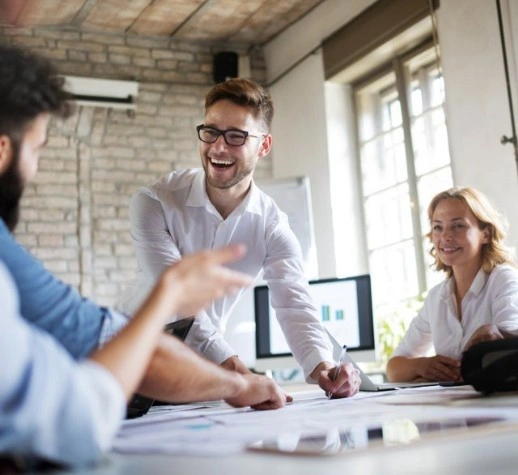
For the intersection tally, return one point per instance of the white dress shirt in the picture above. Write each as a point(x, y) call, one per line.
point(491, 299)
point(51, 407)
point(174, 217)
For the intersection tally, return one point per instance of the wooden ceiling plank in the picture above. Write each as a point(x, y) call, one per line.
point(114, 15)
point(261, 26)
point(83, 12)
point(51, 12)
point(219, 21)
point(247, 22)
point(163, 17)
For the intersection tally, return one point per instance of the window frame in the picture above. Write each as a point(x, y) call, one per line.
point(403, 86)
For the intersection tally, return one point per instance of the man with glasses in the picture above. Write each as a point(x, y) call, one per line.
point(219, 204)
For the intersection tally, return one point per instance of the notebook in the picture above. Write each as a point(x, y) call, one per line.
point(139, 405)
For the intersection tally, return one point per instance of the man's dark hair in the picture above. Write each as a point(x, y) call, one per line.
point(247, 93)
point(29, 86)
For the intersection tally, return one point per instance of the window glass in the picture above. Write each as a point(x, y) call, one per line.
point(396, 188)
point(393, 271)
point(388, 217)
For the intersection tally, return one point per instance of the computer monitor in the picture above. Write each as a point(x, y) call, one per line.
point(345, 308)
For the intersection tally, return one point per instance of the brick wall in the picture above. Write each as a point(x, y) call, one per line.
point(75, 215)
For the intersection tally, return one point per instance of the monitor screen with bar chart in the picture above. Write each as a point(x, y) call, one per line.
point(344, 306)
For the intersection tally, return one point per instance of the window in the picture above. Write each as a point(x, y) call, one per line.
point(404, 161)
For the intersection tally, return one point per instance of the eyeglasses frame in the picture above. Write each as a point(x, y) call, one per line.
point(223, 133)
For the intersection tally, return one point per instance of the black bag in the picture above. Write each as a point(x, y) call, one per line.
point(492, 366)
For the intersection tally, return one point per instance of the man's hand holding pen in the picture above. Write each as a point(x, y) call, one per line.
point(342, 380)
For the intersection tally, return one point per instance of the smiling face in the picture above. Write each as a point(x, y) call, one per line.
point(229, 166)
point(456, 235)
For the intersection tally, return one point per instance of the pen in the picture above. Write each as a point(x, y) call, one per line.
point(337, 372)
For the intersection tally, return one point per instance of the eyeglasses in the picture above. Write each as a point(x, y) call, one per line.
point(234, 137)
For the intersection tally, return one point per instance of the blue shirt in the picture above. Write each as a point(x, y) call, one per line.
point(77, 323)
point(51, 406)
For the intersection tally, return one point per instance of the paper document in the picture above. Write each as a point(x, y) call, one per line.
point(216, 429)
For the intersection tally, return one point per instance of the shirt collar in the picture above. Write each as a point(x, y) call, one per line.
point(254, 200)
point(447, 289)
point(198, 196)
point(476, 286)
point(479, 282)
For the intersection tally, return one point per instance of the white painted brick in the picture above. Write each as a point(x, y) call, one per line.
point(30, 42)
point(107, 262)
point(57, 267)
point(29, 214)
point(130, 51)
point(56, 177)
point(124, 250)
point(26, 240)
point(144, 62)
point(103, 187)
point(81, 45)
point(51, 240)
point(55, 215)
point(159, 167)
point(98, 57)
point(71, 241)
point(49, 228)
point(104, 39)
point(48, 254)
point(119, 59)
point(77, 55)
point(72, 278)
point(134, 164)
point(58, 34)
point(148, 109)
point(147, 42)
point(51, 190)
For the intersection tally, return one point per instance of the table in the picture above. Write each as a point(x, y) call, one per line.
point(484, 450)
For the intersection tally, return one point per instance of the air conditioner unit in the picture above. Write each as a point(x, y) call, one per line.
point(102, 92)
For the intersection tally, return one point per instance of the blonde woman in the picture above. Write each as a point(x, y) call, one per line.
point(478, 301)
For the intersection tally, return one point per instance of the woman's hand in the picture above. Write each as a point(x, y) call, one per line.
point(439, 368)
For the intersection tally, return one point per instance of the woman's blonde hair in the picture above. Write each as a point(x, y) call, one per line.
point(494, 252)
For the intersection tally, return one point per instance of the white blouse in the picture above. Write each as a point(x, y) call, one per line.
point(491, 299)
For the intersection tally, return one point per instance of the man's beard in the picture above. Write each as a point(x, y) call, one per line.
point(238, 178)
point(11, 191)
point(224, 185)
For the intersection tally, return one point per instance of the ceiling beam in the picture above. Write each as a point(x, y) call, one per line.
point(83, 12)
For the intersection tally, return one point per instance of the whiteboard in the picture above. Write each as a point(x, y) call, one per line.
point(292, 196)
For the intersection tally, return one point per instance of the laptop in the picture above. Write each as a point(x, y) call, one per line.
point(139, 405)
point(366, 383)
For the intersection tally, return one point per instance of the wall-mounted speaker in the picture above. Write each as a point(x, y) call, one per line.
point(225, 66)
